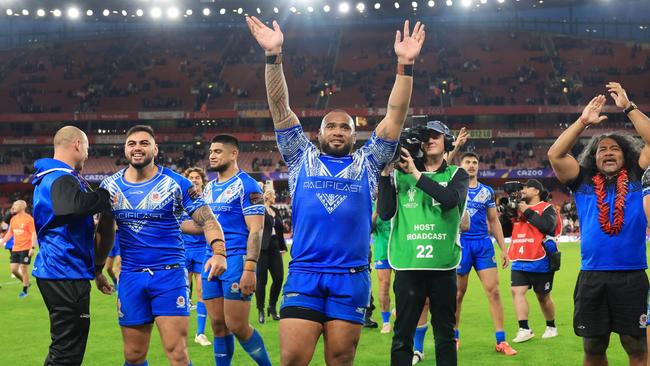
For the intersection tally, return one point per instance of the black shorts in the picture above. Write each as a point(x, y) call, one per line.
point(540, 282)
point(21, 257)
point(610, 301)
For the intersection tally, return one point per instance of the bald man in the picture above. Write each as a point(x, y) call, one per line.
point(21, 228)
point(63, 207)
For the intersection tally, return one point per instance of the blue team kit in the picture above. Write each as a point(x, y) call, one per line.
point(231, 201)
point(332, 211)
point(153, 281)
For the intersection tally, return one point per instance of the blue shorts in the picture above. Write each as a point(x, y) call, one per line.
point(115, 251)
point(194, 260)
point(382, 264)
point(478, 253)
point(226, 285)
point(343, 296)
point(144, 296)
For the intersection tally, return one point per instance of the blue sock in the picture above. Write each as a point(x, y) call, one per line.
point(222, 356)
point(418, 339)
point(385, 316)
point(501, 336)
point(200, 317)
point(254, 346)
point(457, 334)
point(190, 364)
point(139, 364)
point(230, 344)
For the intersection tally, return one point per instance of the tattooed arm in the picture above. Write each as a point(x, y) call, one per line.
point(407, 50)
point(255, 224)
point(204, 218)
point(276, 86)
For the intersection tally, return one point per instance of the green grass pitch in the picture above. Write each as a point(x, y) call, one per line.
point(24, 329)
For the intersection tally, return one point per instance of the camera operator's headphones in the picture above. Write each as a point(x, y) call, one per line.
point(444, 130)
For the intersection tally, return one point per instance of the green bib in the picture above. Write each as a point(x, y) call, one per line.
point(380, 240)
point(423, 236)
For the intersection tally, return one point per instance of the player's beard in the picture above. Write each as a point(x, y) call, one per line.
point(339, 152)
point(147, 160)
point(220, 168)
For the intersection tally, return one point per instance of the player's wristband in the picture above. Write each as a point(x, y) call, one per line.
point(630, 108)
point(406, 70)
point(250, 265)
point(274, 59)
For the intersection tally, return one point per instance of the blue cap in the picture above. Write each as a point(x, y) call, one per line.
point(438, 127)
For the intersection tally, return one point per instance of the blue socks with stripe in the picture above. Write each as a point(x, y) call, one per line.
point(456, 334)
point(224, 349)
point(385, 317)
point(139, 364)
point(201, 315)
point(418, 339)
point(255, 348)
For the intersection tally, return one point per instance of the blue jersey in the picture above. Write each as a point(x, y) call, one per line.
point(231, 201)
point(148, 217)
point(332, 201)
point(479, 200)
point(192, 242)
point(600, 251)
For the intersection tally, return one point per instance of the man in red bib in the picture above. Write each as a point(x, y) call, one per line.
point(533, 234)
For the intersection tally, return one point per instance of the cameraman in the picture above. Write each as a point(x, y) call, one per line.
point(533, 242)
point(423, 247)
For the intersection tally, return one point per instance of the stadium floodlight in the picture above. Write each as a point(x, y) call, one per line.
point(293, 9)
point(466, 3)
point(310, 9)
point(377, 6)
point(258, 10)
point(172, 13)
point(501, 1)
point(361, 7)
point(206, 11)
point(9, 12)
point(240, 11)
point(156, 12)
point(40, 12)
point(414, 4)
point(222, 11)
point(326, 8)
point(25, 12)
point(483, 1)
point(344, 7)
point(431, 3)
point(139, 12)
point(276, 10)
point(449, 3)
point(189, 12)
point(106, 12)
point(396, 5)
point(73, 13)
point(124, 13)
point(56, 12)
point(89, 12)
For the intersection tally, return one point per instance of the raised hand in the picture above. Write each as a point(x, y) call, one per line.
point(270, 39)
point(408, 45)
point(591, 113)
point(462, 138)
point(617, 93)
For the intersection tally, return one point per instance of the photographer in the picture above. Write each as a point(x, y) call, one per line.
point(423, 247)
point(533, 243)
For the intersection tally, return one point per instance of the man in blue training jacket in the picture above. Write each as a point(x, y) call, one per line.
point(63, 207)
